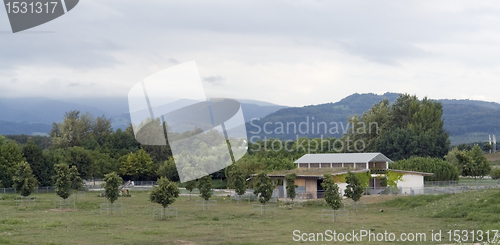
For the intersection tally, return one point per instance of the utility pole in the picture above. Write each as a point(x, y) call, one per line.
point(494, 144)
point(491, 146)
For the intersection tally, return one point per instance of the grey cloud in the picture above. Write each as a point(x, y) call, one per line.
point(56, 50)
point(214, 79)
point(386, 32)
point(80, 84)
point(384, 51)
point(348, 25)
point(173, 61)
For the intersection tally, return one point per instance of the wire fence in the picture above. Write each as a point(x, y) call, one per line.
point(463, 182)
point(96, 184)
point(430, 188)
point(45, 189)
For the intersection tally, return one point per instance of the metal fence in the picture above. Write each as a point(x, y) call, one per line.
point(45, 189)
point(449, 189)
point(463, 182)
point(434, 188)
point(144, 183)
point(137, 185)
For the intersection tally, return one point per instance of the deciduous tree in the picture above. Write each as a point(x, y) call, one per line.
point(168, 170)
point(63, 180)
point(82, 159)
point(42, 169)
point(239, 182)
point(190, 185)
point(408, 127)
point(112, 186)
point(24, 180)
point(76, 180)
point(10, 156)
point(354, 189)
point(331, 194)
point(165, 193)
point(473, 163)
point(264, 188)
point(205, 187)
point(137, 165)
point(290, 185)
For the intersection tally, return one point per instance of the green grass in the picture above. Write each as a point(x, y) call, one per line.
point(414, 201)
point(495, 163)
point(477, 181)
point(236, 224)
point(481, 206)
point(216, 184)
point(494, 159)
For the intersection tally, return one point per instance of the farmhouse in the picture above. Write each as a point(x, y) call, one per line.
point(372, 168)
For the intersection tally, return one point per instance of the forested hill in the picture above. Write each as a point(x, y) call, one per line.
point(465, 120)
point(35, 115)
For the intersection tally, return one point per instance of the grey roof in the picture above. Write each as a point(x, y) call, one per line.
point(313, 173)
point(343, 158)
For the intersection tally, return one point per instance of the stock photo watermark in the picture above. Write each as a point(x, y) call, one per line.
point(457, 236)
point(269, 131)
point(206, 134)
point(26, 14)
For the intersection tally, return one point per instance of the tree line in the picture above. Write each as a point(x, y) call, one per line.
point(407, 128)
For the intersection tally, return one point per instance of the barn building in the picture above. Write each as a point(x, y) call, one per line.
point(311, 168)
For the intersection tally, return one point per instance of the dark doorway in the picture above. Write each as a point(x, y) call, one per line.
point(320, 192)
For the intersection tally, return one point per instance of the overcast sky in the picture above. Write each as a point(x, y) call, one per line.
point(287, 52)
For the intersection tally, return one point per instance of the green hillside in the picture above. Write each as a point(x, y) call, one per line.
point(476, 206)
point(329, 113)
point(465, 120)
point(16, 128)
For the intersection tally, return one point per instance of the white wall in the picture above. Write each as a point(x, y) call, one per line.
point(342, 187)
point(411, 182)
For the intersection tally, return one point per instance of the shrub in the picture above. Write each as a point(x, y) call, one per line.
point(441, 169)
point(495, 173)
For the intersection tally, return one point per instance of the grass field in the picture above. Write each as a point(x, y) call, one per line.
point(235, 224)
point(216, 184)
point(494, 159)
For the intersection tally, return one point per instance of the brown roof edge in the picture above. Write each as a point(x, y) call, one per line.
point(411, 172)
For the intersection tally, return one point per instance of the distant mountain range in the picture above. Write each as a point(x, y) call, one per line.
point(465, 120)
point(35, 115)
